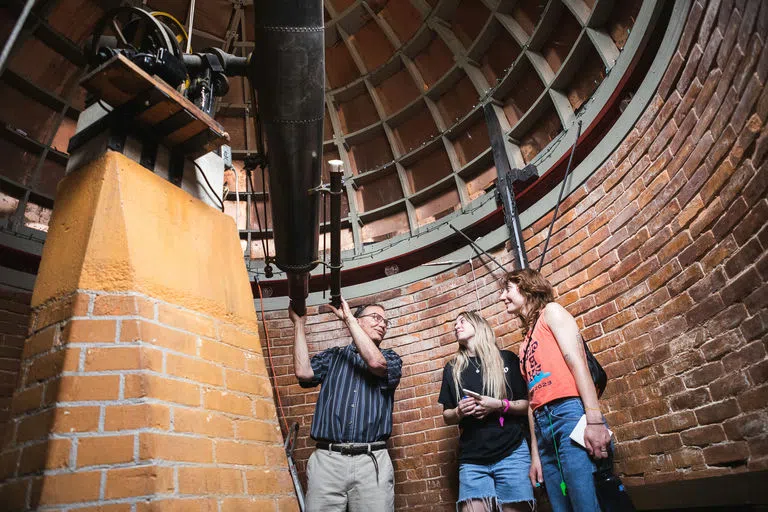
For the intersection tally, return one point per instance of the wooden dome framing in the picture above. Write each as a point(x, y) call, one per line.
point(406, 80)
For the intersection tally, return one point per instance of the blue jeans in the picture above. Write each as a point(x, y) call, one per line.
point(555, 422)
point(504, 482)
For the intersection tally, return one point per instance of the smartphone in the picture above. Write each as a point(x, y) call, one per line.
point(467, 392)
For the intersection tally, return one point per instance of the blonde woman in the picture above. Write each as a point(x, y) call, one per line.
point(484, 393)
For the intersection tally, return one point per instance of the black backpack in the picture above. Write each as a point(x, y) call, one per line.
point(599, 377)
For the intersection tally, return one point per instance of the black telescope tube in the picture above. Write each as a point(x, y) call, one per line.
point(336, 191)
point(287, 69)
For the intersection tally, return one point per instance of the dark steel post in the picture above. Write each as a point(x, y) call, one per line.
point(504, 187)
point(336, 190)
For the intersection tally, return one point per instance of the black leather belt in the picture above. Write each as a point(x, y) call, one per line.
point(352, 448)
point(356, 449)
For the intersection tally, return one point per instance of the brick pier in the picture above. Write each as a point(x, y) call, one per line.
point(142, 385)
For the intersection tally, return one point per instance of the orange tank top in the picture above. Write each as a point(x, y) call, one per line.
point(546, 372)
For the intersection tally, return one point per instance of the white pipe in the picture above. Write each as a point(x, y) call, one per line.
point(189, 30)
point(15, 33)
point(237, 199)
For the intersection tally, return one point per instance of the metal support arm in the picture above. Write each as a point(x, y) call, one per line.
point(506, 177)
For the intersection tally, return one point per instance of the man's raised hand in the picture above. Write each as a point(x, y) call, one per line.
point(343, 313)
point(295, 318)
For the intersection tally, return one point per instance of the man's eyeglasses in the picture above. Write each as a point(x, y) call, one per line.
point(377, 318)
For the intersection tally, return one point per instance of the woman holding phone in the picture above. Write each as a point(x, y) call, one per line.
point(484, 393)
point(560, 390)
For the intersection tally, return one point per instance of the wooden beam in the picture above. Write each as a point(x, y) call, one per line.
point(605, 46)
point(40, 95)
point(53, 39)
point(27, 143)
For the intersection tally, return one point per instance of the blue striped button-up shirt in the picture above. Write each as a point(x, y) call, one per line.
point(354, 406)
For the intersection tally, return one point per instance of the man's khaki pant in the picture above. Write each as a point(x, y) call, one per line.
point(337, 481)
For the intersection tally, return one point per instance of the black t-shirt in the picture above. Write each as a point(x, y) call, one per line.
point(486, 441)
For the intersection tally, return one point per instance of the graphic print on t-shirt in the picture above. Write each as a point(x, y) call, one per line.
point(537, 377)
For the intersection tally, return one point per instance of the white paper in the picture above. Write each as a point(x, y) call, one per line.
point(578, 431)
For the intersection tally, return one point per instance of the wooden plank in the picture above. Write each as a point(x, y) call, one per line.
point(158, 112)
point(186, 132)
point(114, 83)
point(39, 94)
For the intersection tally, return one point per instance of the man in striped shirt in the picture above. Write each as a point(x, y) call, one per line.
point(350, 469)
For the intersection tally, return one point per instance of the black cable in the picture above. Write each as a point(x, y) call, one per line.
point(263, 165)
point(209, 186)
point(477, 247)
point(560, 196)
point(259, 134)
point(262, 232)
point(264, 195)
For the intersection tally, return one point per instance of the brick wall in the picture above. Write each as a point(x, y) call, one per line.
point(660, 255)
point(127, 403)
point(14, 320)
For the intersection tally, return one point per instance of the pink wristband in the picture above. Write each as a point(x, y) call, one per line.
point(505, 402)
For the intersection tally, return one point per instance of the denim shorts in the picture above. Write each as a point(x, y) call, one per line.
point(506, 481)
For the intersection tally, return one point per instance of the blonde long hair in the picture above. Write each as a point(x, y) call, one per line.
point(494, 382)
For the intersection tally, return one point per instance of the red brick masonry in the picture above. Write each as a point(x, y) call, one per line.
point(124, 400)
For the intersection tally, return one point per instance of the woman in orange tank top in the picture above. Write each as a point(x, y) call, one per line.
point(560, 391)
